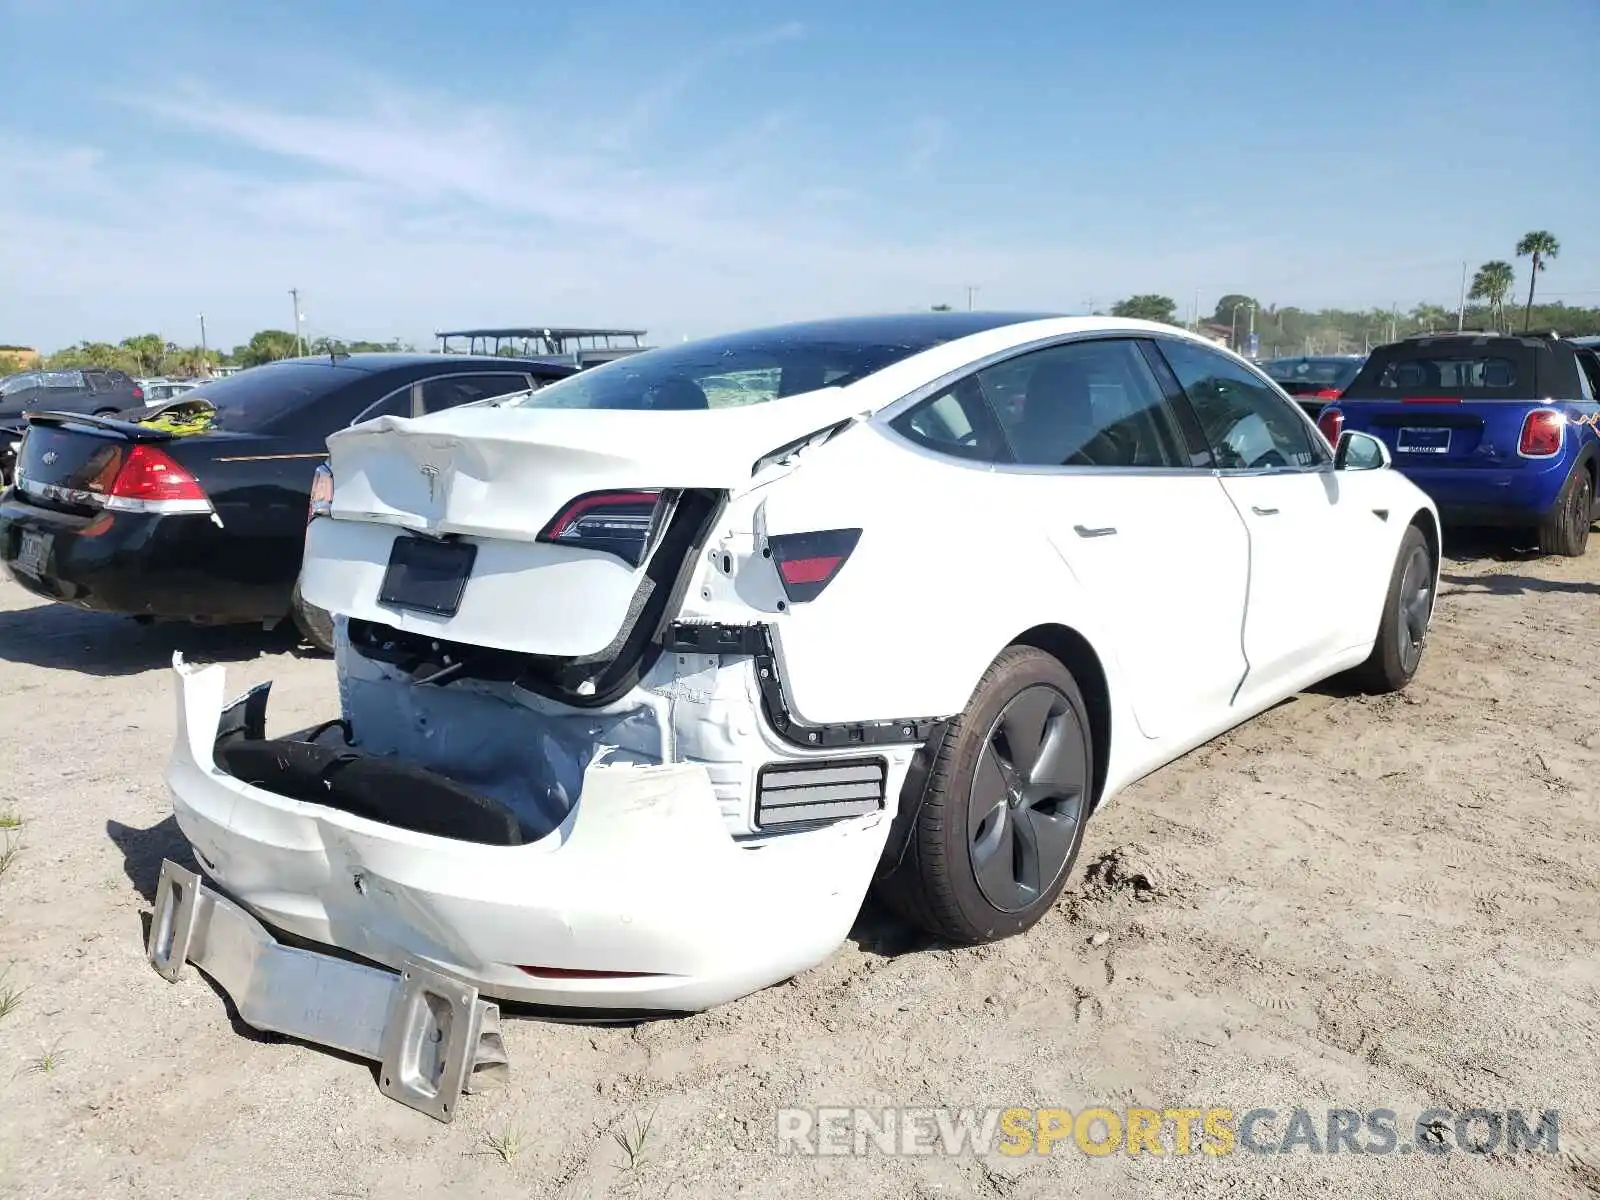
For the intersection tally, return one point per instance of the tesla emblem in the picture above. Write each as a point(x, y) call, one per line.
point(433, 481)
point(49, 458)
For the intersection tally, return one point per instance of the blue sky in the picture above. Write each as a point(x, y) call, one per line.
point(410, 166)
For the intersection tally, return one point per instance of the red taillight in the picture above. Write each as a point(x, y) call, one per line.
point(151, 481)
point(808, 562)
point(1542, 430)
point(1330, 421)
point(618, 523)
point(1326, 394)
point(138, 392)
point(321, 493)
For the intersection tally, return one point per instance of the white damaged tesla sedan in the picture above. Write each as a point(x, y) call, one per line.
point(646, 677)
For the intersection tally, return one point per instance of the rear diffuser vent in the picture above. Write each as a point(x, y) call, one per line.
point(790, 794)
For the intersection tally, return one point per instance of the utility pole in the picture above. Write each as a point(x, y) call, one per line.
point(971, 292)
point(299, 345)
point(1393, 317)
point(1195, 325)
point(1461, 312)
point(205, 356)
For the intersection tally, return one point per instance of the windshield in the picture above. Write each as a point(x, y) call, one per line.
point(19, 383)
point(751, 368)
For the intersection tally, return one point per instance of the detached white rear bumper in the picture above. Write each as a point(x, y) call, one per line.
point(640, 900)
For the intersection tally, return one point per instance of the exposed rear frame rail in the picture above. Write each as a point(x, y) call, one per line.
point(693, 637)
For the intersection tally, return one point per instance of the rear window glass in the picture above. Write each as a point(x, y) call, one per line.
point(258, 398)
point(1466, 371)
point(748, 368)
point(1324, 372)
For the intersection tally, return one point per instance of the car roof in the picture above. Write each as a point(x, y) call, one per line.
point(915, 327)
point(388, 361)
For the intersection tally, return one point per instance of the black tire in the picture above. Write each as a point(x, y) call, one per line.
point(1403, 630)
point(1565, 530)
point(950, 848)
point(315, 624)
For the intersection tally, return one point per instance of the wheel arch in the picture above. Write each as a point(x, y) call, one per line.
point(1425, 521)
point(1078, 655)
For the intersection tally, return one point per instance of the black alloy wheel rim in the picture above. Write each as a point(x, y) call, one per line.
point(1029, 790)
point(1416, 604)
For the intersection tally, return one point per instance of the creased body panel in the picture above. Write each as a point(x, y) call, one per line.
point(642, 877)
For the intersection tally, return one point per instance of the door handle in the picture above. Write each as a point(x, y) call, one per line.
point(1103, 531)
point(1263, 512)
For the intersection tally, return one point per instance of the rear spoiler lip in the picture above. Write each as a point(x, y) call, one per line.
point(127, 429)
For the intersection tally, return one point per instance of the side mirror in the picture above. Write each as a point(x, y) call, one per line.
point(1360, 452)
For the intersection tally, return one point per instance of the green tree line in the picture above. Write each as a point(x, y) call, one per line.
point(149, 354)
point(1287, 329)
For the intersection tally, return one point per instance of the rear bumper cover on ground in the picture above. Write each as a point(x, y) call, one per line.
point(640, 901)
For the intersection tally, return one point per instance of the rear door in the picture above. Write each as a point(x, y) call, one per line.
point(1310, 542)
point(1099, 458)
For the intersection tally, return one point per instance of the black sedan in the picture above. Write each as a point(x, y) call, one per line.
point(197, 511)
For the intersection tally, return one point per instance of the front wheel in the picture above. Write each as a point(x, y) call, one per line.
point(1565, 530)
point(1407, 609)
point(1001, 815)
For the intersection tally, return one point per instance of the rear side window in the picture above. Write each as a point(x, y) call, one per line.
point(256, 400)
point(456, 390)
point(1589, 368)
point(62, 380)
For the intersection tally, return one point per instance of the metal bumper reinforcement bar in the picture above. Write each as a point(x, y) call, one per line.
point(432, 1034)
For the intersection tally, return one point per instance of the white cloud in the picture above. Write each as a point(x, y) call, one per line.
point(396, 212)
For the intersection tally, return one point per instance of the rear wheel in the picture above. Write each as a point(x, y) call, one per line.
point(1002, 814)
point(1407, 607)
point(1565, 530)
point(315, 624)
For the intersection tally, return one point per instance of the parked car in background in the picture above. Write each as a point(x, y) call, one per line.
point(1500, 430)
point(1314, 380)
point(79, 390)
point(82, 390)
point(196, 511)
point(648, 676)
point(159, 391)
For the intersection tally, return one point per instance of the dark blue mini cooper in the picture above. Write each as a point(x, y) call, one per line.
point(1498, 429)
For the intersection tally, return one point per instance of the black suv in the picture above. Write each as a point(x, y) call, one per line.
point(92, 390)
point(79, 390)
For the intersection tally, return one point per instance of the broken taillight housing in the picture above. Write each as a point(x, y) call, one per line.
point(809, 562)
point(1542, 430)
point(321, 493)
point(150, 480)
point(618, 523)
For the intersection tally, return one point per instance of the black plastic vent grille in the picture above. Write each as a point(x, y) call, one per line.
point(831, 789)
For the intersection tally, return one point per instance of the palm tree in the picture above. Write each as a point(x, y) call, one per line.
point(1542, 245)
point(1492, 284)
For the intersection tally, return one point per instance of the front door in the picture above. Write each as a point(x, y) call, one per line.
point(1278, 473)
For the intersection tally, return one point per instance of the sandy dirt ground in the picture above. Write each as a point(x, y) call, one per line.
point(1351, 903)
